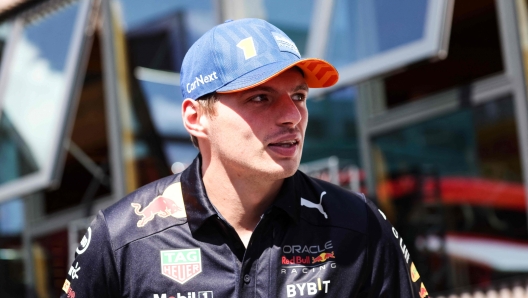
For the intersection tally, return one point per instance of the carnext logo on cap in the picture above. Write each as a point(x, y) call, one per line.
point(200, 81)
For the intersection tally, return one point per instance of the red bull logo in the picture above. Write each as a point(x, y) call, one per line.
point(323, 257)
point(294, 260)
point(168, 204)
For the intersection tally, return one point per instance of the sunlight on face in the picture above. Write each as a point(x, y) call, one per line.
point(261, 131)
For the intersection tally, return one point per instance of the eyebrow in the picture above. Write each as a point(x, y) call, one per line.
point(303, 86)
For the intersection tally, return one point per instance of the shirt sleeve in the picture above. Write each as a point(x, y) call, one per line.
point(393, 272)
point(93, 272)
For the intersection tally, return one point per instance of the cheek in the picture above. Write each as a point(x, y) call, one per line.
point(304, 115)
point(231, 130)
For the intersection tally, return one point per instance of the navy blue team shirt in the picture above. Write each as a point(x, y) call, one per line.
point(166, 240)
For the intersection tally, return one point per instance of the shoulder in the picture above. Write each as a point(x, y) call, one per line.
point(134, 216)
point(343, 208)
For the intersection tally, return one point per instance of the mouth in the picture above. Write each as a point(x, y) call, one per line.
point(288, 147)
point(285, 144)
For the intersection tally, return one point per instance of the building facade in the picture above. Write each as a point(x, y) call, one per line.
point(429, 119)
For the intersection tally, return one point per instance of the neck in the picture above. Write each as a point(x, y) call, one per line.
point(240, 198)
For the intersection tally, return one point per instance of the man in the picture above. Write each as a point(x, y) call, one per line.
point(241, 221)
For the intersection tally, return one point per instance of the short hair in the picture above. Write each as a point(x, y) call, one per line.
point(206, 105)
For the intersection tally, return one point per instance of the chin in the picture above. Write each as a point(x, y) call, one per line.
point(287, 169)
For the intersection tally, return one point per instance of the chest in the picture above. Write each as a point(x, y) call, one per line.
point(281, 260)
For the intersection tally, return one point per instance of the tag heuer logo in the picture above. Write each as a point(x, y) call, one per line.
point(181, 264)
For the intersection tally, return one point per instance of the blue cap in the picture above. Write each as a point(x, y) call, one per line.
point(238, 55)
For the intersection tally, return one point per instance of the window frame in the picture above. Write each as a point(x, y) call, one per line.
point(433, 45)
point(47, 176)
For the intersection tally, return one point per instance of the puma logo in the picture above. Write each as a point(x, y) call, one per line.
point(319, 207)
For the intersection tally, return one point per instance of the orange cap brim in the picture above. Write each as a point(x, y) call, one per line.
point(318, 73)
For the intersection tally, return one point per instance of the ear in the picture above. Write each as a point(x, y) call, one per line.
point(192, 118)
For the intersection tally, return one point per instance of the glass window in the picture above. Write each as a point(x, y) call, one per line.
point(39, 75)
point(362, 29)
point(164, 102)
point(370, 38)
point(157, 38)
point(453, 187)
point(81, 183)
point(474, 53)
point(332, 132)
point(11, 218)
point(11, 252)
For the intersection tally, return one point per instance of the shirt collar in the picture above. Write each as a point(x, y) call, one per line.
point(197, 205)
point(199, 208)
point(289, 197)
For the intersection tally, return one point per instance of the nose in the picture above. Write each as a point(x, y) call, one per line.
point(289, 112)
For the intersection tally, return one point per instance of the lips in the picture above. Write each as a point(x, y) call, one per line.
point(285, 144)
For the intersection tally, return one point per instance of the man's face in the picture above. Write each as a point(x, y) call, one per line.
point(260, 131)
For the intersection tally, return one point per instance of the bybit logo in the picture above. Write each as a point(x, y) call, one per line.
point(310, 288)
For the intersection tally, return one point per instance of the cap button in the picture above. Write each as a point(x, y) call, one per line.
point(228, 20)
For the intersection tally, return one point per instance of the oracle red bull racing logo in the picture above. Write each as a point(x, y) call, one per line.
point(304, 254)
point(300, 260)
point(170, 203)
point(323, 257)
point(307, 258)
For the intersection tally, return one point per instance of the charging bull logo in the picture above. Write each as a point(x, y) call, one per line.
point(170, 203)
point(323, 257)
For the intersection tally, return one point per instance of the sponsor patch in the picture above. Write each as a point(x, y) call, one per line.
point(307, 258)
point(73, 271)
point(170, 203)
point(285, 44)
point(323, 257)
point(201, 80)
point(319, 207)
point(248, 47)
point(201, 294)
point(66, 286)
point(302, 269)
point(308, 288)
point(404, 250)
point(85, 242)
point(71, 293)
point(182, 264)
point(414, 273)
point(307, 249)
point(423, 291)
point(382, 214)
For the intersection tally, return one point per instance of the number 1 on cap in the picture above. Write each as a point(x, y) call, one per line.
point(248, 47)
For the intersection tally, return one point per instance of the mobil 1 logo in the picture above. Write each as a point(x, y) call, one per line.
point(201, 294)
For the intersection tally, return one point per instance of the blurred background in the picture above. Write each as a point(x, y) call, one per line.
point(429, 119)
